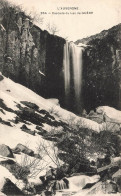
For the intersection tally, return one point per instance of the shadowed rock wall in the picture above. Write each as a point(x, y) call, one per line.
point(102, 69)
point(29, 55)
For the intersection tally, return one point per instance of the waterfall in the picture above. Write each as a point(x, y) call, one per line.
point(72, 64)
point(66, 65)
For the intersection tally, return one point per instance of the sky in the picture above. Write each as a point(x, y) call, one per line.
point(106, 14)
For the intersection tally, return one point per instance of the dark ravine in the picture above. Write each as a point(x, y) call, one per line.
point(34, 58)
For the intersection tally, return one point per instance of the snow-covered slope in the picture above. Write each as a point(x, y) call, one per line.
point(12, 93)
point(25, 116)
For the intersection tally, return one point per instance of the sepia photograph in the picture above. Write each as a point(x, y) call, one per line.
point(60, 97)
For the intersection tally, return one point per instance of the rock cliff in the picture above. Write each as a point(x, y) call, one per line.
point(102, 69)
point(29, 55)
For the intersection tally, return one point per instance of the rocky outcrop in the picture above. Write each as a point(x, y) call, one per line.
point(102, 69)
point(6, 151)
point(9, 188)
point(107, 187)
point(108, 117)
point(21, 148)
point(29, 55)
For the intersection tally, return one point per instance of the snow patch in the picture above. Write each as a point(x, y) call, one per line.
point(110, 112)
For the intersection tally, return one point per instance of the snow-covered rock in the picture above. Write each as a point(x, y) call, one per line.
point(9, 188)
point(76, 183)
point(5, 174)
point(6, 151)
point(112, 113)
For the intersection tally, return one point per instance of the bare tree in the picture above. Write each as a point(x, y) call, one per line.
point(49, 150)
point(52, 28)
point(32, 15)
point(35, 17)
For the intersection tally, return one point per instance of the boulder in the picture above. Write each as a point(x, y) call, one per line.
point(5, 122)
point(40, 131)
point(106, 187)
point(21, 148)
point(76, 183)
point(25, 129)
point(96, 117)
point(110, 113)
point(20, 172)
point(30, 105)
point(91, 113)
point(110, 116)
point(6, 151)
point(9, 188)
point(8, 163)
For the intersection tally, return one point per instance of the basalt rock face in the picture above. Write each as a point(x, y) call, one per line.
point(29, 55)
point(54, 66)
point(102, 69)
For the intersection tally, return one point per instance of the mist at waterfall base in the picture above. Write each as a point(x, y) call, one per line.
point(72, 70)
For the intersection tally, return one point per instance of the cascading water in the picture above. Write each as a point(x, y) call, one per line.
point(66, 64)
point(72, 64)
